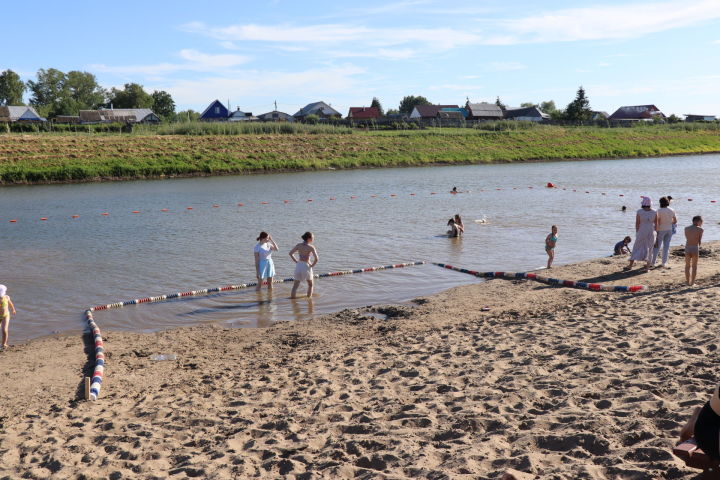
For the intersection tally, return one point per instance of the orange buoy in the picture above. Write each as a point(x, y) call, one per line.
point(712, 201)
point(105, 214)
point(353, 196)
point(286, 201)
point(309, 199)
point(263, 203)
point(412, 194)
point(241, 204)
point(216, 206)
point(76, 216)
point(136, 211)
point(433, 193)
point(550, 185)
point(189, 208)
point(393, 195)
point(43, 218)
point(163, 209)
point(13, 221)
point(332, 198)
point(621, 195)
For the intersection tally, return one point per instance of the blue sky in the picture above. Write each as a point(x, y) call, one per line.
point(346, 52)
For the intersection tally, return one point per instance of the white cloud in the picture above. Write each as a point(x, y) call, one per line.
point(608, 22)
point(457, 87)
point(194, 61)
point(505, 66)
point(604, 64)
point(717, 42)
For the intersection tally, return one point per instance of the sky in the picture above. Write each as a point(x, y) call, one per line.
point(255, 53)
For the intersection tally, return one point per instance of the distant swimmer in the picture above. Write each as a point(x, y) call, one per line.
point(454, 190)
point(303, 265)
point(264, 266)
point(550, 242)
point(623, 208)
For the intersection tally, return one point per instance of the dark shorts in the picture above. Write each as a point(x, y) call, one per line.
point(707, 431)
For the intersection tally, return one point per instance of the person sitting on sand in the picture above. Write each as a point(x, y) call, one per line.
point(621, 248)
point(645, 226)
point(303, 266)
point(5, 305)
point(704, 425)
point(264, 266)
point(693, 239)
point(550, 242)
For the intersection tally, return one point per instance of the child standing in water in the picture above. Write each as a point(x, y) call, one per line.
point(550, 242)
point(693, 239)
point(5, 305)
point(264, 266)
point(303, 266)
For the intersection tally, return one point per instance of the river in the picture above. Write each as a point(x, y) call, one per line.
point(56, 268)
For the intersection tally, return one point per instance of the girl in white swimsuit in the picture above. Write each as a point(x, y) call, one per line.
point(303, 265)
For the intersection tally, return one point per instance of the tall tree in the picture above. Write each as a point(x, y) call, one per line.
point(548, 107)
point(376, 103)
point(163, 104)
point(83, 89)
point(578, 111)
point(187, 116)
point(48, 88)
point(528, 104)
point(131, 96)
point(500, 104)
point(408, 103)
point(11, 88)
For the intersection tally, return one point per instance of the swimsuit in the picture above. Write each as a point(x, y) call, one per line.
point(548, 247)
point(303, 271)
point(707, 431)
point(4, 308)
point(692, 249)
point(619, 246)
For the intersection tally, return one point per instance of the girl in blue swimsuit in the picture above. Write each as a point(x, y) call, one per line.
point(264, 267)
point(550, 242)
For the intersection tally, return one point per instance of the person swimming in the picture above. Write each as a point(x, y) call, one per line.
point(455, 229)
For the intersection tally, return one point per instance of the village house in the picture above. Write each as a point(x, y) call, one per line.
point(689, 117)
point(118, 115)
point(526, 114)
point(215, 112)
point(427, 112)
point(636, 113)
point(276, 116)
point(12, 114)
point(483, 111)
point(363, 113)
point(597, 115)
point(239, 116)
point(320, 109)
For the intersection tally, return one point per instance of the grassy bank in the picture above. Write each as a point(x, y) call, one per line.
point(39, 158)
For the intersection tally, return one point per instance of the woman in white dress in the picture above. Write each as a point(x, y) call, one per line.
point(645, 226)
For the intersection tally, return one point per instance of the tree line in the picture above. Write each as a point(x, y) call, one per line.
point(54, 93)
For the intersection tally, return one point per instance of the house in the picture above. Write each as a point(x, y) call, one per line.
point(484, 111)
point(635, 113)
point(276, 116)
point(238, 116)
point(699, 118)
point(215, 112)
point(321, 109)
point(526, 114)
point(450, 114)
point(70, 119)
point(118, 115)
point(596, 115)
point(427, 112)
point(12, 114)
point(363, 113)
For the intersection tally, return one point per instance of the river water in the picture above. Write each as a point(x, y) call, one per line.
point(58, 267)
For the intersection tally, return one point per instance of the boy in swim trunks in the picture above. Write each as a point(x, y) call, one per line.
point(303, 267)
point(693, 239)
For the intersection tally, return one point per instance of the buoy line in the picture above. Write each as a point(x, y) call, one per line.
point(596, 287)
point(99, 371)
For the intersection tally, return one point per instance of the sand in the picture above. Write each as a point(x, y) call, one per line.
point(555, 382)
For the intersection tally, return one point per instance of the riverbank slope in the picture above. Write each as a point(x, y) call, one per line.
point(72, 157)
point(562, 383)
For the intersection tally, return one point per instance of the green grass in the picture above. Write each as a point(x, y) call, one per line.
point(61, 157)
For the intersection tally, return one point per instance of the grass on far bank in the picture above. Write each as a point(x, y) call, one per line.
point(62, 157)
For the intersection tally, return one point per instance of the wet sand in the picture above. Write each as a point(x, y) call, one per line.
point(556, 382)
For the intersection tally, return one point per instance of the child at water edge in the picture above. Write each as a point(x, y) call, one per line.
point(264, 266)
point(550, 242)
point(303, 266)
point(621, 248)
point(693, 239)
point(5, 305)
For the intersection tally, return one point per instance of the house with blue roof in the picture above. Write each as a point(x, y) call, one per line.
point(321, 109)
point(215, 112)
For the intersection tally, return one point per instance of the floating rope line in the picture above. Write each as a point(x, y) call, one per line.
point(596, 287)
point(98, 374)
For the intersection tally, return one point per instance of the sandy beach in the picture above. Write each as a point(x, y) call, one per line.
point(556, 382)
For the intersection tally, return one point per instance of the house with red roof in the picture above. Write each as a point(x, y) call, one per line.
point(363, 113)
